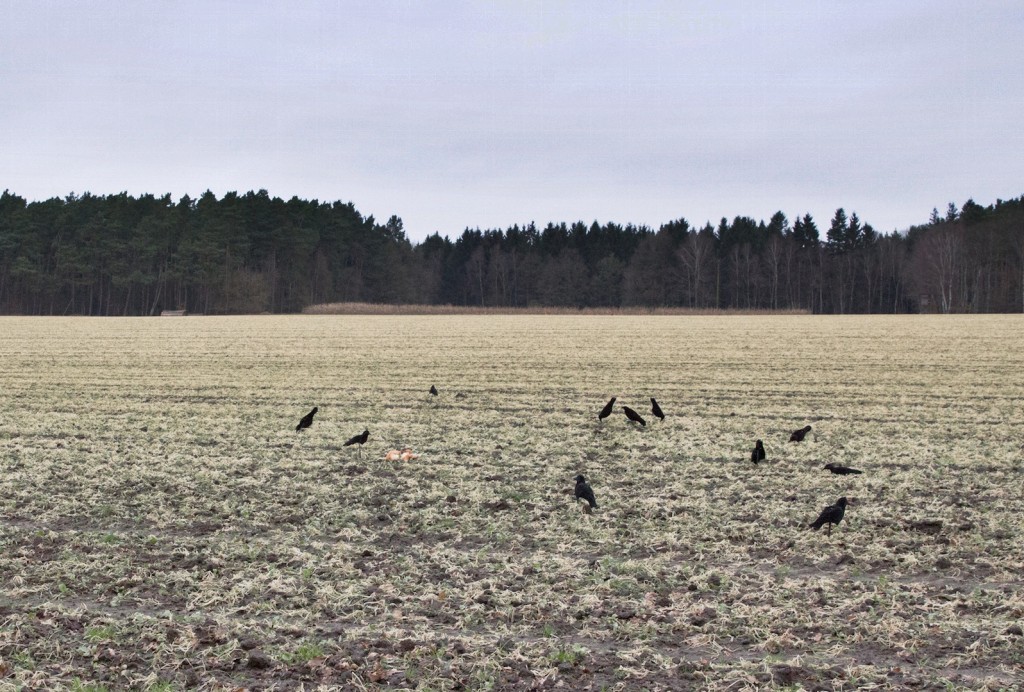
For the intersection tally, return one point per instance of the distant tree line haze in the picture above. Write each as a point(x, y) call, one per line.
point(252, 253)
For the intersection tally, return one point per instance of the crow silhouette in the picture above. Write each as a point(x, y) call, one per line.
point(757, 455)
point(833, 514)
point(634, 416)
point(607, 410)
point(433, 390)
point(840, 470)
point(358, 440)
point(307, 420)
point(798, 435)
point(585, 492)
point(656, 410)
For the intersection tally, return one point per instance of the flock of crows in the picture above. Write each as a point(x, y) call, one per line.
point(360, 439)
point(830, 515)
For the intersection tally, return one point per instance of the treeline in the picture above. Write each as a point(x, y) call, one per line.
point(251, 253)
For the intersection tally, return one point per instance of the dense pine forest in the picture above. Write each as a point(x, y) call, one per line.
point(252, 253)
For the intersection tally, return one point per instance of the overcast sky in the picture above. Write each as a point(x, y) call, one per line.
point(485, 114)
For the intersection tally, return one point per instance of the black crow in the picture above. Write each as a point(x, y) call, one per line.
point(833, 514)
point(358, 440)
point(585, 492)
point(433, 390)
point(840, 470)
point(307, 420)
point(634, 416)
point(757, 455)
point(798, 435)
point(656, 410)
point(607, 410)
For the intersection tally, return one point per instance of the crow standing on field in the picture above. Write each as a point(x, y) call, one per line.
point(433, 390)
point(656, 410)
point(757, 455)
point(798, 435)
point(358, 440)
point(634, 416)
point(840, 470)
point(585, 492)
point(607, 410)
point(833, 514)
point(307, 420)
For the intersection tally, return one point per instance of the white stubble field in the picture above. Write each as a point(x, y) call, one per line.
point(163, 526)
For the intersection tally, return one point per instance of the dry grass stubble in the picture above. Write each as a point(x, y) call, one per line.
point(162, 525)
